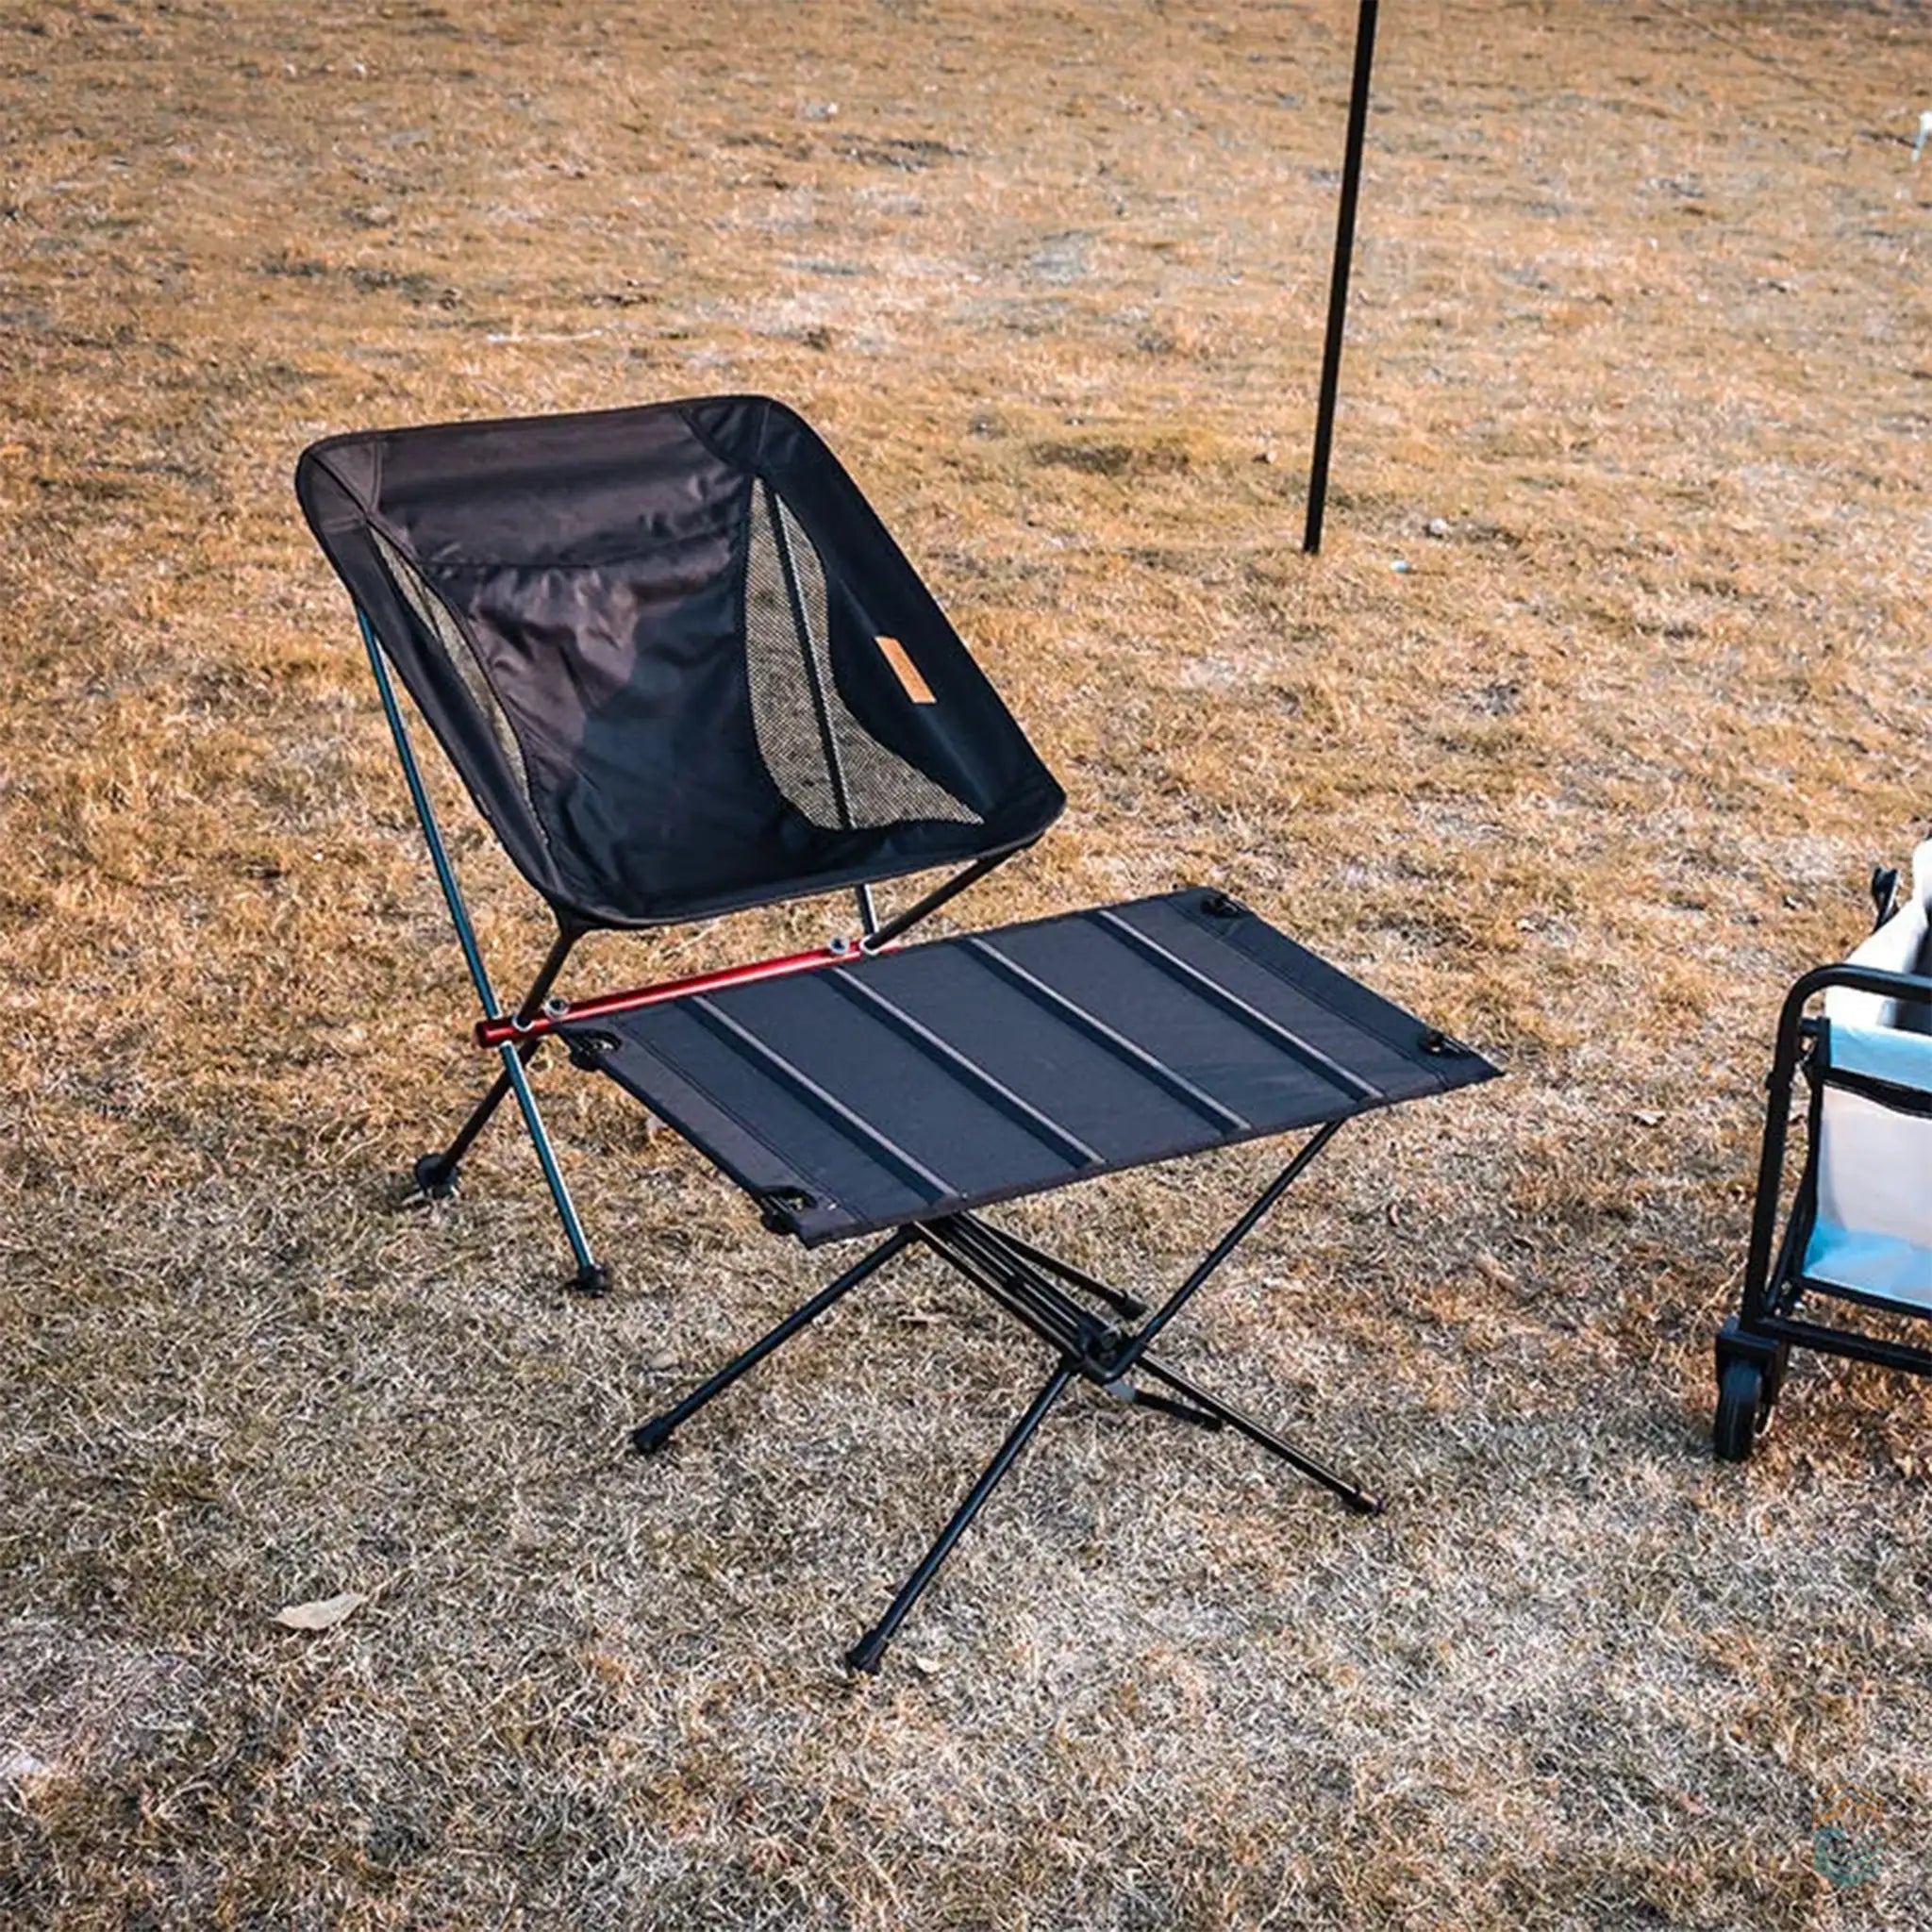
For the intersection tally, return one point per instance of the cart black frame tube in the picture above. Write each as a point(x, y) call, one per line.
point(1759, 1316)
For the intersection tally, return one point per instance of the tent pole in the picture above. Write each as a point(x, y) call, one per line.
point(1337, 277)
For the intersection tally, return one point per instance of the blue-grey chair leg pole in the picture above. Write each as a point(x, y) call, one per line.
point(592, 1278)
point(435, 1172)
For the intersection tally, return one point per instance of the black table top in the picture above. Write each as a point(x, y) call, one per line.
point(921, 1082)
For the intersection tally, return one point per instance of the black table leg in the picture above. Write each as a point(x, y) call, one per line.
point(865, 1655)
point(648, 1438)
point(1357, 1499)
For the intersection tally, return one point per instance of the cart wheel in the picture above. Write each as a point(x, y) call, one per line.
point(1740, 1398)
point(1773, 1385)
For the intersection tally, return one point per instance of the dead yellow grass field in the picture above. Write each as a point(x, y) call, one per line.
point(1642, 319)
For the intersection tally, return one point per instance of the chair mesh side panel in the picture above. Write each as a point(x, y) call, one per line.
point(881, 789)
point(438, 618)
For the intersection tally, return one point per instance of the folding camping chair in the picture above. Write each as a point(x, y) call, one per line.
point(682, 671)
point(1859, 1227)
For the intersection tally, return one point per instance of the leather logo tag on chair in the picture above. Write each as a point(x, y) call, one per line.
point(907, 671)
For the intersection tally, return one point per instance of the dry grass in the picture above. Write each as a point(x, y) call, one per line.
point(1642, 318)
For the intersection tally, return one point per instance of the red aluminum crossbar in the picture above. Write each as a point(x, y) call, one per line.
point(504, 1029)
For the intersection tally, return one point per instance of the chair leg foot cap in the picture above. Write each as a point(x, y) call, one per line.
point(649, 1440)
point(592, 1282)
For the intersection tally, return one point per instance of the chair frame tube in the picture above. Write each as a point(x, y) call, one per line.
point(592, 1278)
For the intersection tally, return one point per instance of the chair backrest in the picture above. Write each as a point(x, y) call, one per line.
point(674, 654)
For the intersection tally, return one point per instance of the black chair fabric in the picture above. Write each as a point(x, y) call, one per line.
point(674, 654)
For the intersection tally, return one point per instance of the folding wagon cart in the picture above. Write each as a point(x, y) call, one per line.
point(683, 670)
point(1858, 1232)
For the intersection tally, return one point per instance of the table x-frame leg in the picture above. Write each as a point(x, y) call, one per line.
point(1036, 1288)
